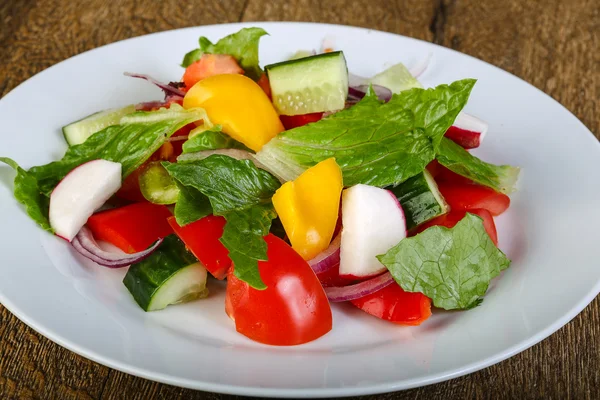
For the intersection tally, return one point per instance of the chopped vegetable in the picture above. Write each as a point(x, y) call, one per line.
point(454, 216)
point(210, 65)
point(77, 132)
point(468, 197)
point(157, 186)
point(308, 207)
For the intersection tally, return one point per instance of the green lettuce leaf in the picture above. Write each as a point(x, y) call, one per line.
point(28, 193)
point(211, 139)
point(191, 205)
point(374, 143)
point(242, 45)
point(240, 192)
point(502, 178)
point(130, 143)
point(243, 237)
point(453, 267)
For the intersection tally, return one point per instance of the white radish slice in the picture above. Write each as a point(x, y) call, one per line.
point(80, 193)
point(373, 222)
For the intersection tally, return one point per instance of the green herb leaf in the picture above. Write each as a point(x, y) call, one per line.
point(243, 237)
point(230, 184)
point(191, 205)
point(211, 139)
point(130, 143)
point(453, 267)
point(502, 178)
point(28, 193)
point(242, 45)
point(373, 143)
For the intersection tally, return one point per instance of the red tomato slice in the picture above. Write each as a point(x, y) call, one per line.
point(130, 188)
point(202, 239)
point(292, 310)
point(131, 228)
point(395, 305)
point(468, 197)
point(209, 65)
point(294, 121)
point(265, 85)
point(444, 175)
point(452, 218)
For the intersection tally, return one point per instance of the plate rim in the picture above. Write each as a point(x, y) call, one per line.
point(307, 392)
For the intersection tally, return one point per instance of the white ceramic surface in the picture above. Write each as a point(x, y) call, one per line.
point(550, 232)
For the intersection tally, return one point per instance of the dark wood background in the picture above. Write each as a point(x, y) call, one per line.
point(553, 44)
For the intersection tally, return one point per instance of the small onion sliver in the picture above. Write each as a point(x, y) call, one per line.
point(421, 67)
point(168, 89)
point(328, 258)
point(86, 245)
point(356, 291)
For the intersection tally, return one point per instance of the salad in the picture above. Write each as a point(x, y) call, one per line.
point(301, 185)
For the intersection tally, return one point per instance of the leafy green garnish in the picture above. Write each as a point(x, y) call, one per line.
point(28, 193)
point(501, 178)
point(130, 143)
point(211, 139)
point(453, 267)
point(242, 45)
point(191, 205)
point(242, 193)
point(374, 143)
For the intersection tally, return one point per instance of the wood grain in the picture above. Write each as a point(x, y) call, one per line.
point(552, 44)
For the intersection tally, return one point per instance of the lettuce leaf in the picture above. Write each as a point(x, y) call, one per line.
point(453, 267)
point(130, 143)
point(502, 178)
point(28, 193)
point(242, 45)
point(242, 193)
point(211, 139)
point(374, 143)
point(191, 205)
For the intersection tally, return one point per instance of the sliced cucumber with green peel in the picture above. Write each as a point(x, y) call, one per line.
point(309, 84)
point(421, 199)
point(157, 186)
point(77, 132)
point(170, 275)
point(397, 78)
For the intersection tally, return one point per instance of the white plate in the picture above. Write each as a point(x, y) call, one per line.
point(550, 232)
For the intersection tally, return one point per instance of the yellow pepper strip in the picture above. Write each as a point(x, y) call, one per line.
point(239, 105)
point(308, 207)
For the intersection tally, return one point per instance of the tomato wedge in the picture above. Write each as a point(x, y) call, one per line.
point(131, 228)
point(292, 310)
point(469, 197)
point(209, 65)
point(395, 305)
point(202, 239)
point(452, 218)
point(294, 121)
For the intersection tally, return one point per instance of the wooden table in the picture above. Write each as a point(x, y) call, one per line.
point(553, 44)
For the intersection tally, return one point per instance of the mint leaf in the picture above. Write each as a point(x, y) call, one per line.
point(230, 184)
point(211, 139)
point(243, 237)
point(130, 143)
point(374, 143)
point(28, 193)
point(242, 45)
point(453, 267)
point(191, 205)
point(501, 178)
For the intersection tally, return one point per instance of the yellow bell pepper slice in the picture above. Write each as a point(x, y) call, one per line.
point(309, 206)
point(239, 105)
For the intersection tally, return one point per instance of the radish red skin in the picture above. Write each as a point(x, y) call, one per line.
point(465, 138)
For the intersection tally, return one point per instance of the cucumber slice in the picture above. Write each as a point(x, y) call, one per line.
point(421, 199)
point(77, 132)
point(157, 186)
point(310, 84)
point(171, 275)
point(397, 78)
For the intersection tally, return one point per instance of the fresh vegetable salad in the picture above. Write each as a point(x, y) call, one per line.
point(300, 184)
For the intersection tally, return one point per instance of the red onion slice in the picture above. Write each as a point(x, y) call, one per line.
point(150, 105)
point(328, 258)
point(362, 289)
point(421, 67)
point(168, 89)
point(86, 245)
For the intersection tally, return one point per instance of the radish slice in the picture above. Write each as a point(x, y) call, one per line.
point(467, 131)
point(84, 190)
point(421, 67)
point(165, 87)
point(329, 258)
point(373, 222)
point(353, 292)
point(86, 245)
